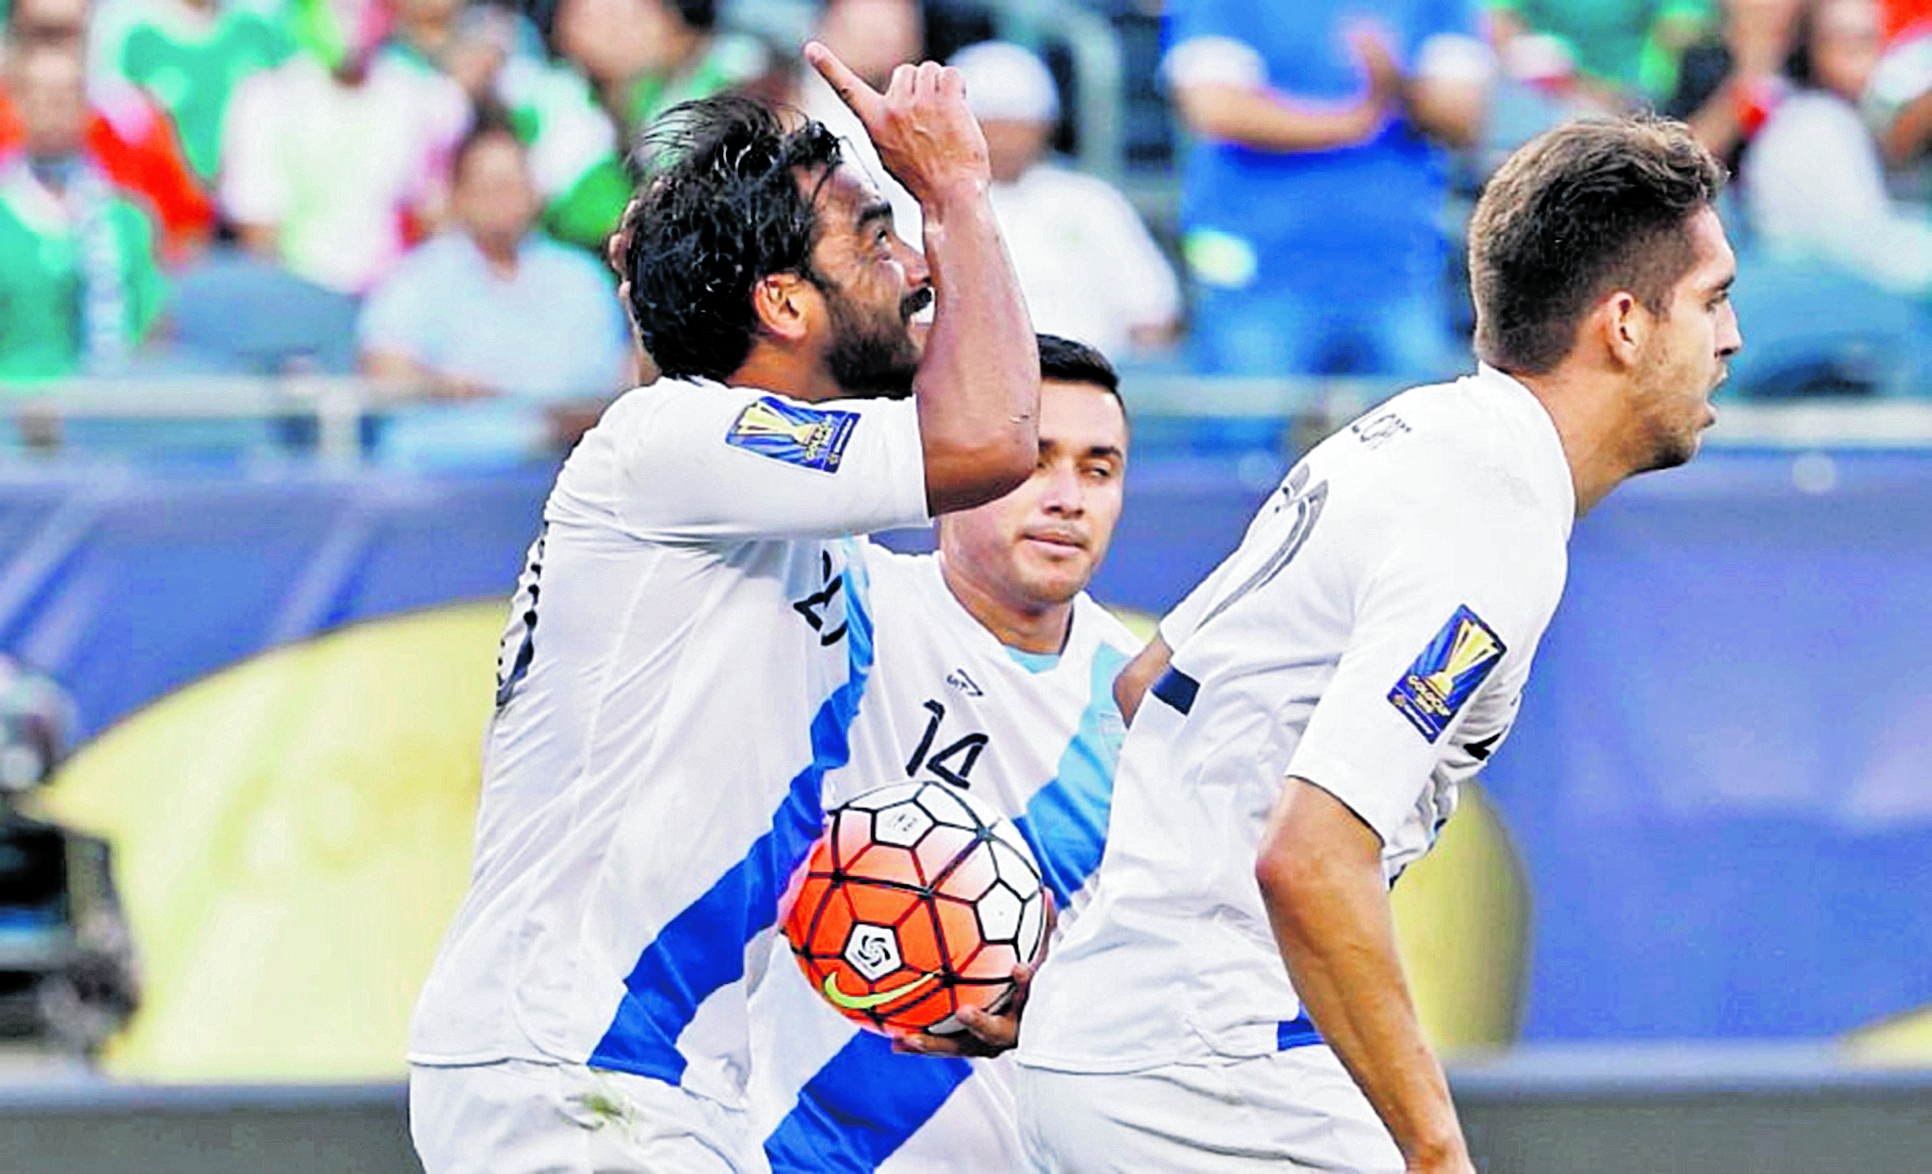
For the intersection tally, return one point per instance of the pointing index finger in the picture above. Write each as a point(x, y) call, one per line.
point(849, 86)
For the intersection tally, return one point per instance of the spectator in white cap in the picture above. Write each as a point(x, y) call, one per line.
point(1087, 265)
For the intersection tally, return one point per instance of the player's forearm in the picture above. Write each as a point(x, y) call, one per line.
point(1131, 686)
point(395, 367)
point(1352, 988)
point(1322, 883)
point(979, 383)
point(398, 368)
point(1267, 121)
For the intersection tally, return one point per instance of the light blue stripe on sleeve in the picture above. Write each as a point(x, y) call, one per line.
point(1065, 823)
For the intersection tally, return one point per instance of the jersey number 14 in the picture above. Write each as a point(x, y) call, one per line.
point(952, 763)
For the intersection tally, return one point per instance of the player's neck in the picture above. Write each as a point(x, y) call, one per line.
point(1037, 629)
point(1587, 411)
point(771, 368)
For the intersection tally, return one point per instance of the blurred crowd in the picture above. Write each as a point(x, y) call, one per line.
point(419, 190)
point(1336, 146)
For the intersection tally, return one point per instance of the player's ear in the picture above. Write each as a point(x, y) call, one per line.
point(784, 304)
point(1625, 326)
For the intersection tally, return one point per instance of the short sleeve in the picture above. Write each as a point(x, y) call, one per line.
point(1444, 628)
point(715, 462)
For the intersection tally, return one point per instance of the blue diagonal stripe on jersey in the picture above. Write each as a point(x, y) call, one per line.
point(867, 1100)
point(703, 947)
point(1065, 823)
point(859, 1108)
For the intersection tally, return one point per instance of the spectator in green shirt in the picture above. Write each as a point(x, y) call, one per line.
point(189, 55)
point(1626, 50)
point(498, 58)
point(646, 56)
point(80, 287)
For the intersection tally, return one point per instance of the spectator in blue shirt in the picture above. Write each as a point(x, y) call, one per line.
point(1313, 197)
point(492, 316)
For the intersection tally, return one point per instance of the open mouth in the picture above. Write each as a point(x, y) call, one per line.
point(916, 303)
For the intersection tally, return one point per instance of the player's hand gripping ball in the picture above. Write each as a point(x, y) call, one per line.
point(917, 901)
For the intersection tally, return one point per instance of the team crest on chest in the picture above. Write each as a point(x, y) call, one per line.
point(812, 438)
point(1448, 673)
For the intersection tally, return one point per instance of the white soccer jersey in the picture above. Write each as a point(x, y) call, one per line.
point(1371, 634)
point(1036, 737)
point(683, 662)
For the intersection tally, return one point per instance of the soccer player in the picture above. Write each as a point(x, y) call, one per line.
point(1232, 999)
point(690, 638)
point(994, 672)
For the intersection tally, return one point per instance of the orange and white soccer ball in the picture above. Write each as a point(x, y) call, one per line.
point(918, 900)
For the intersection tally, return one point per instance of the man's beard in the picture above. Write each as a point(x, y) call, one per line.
point(872, 357)
point(1668, 442)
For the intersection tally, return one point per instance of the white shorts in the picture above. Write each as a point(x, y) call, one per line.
point(520, 1117)
point(1292, 1110)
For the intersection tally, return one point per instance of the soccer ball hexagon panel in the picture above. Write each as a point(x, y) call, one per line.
point(918, 899)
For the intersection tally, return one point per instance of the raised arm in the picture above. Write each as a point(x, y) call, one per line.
point(978, 387)
point(1221, 92)
point(1320, 872)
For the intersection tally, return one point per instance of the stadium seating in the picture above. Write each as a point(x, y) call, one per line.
point(240, 314)
point(1811, 329)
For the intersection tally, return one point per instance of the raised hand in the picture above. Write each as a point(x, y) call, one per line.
point(925, 135)
point(1378, 63)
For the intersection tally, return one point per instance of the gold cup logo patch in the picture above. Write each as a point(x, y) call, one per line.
point(1473, 645)
point(763, 421)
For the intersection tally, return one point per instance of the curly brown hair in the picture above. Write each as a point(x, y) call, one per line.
point(1575, 214)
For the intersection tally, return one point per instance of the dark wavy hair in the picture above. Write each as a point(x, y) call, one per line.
point(720, 209)
point(1065, 361)
point(1575, 214)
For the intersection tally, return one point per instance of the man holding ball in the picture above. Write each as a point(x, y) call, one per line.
point(688, 643)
